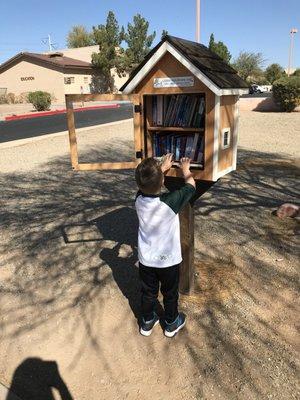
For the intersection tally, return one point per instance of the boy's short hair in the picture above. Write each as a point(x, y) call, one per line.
point(149, 176)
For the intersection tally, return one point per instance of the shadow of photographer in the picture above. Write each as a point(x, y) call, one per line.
point(35, 379)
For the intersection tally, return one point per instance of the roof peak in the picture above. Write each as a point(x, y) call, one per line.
point(193, 55)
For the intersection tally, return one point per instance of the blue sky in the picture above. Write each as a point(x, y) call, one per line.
point(256, 26)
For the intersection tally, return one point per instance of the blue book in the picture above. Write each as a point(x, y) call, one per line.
point(189, 146)
point(154, 110)
point(182, 111)
point(177, 148)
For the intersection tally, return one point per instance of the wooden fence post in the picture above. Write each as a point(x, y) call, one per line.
point(186, 283)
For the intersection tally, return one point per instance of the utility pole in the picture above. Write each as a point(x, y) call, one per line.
point(49, 43)
point(198, 21)
point(292, 33)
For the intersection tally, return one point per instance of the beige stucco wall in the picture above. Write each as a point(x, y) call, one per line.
point(79, 85)
point(257, 104)
point(80, 53)
point(85, 54)
point(119, 81)
point(45, 79)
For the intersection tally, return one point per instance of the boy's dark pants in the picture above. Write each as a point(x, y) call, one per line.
point(169, 280)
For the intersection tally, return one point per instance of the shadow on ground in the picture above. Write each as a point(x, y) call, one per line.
point(36, 379)
point(68, 240)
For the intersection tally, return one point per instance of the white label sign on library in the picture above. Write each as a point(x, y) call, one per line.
point(176, 81)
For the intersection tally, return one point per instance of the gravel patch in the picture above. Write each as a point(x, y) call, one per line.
point(270, 132)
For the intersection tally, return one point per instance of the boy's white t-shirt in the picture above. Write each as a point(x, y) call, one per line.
point(159, 231)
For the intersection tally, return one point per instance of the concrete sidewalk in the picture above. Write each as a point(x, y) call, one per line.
point(8, 110)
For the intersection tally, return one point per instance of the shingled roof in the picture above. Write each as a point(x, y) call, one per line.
point(208, 63)
point(57, 60)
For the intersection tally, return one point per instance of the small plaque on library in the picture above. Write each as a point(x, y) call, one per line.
point(176, 81)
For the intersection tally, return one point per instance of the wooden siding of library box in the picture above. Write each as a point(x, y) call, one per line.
point(216, 114)
point(220, 113)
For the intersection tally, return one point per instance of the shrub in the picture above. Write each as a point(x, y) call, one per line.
point(297, 72)
point(3, 99)
point(11, 98)
point(22, 98)
point(286, 92)
point(40, 100)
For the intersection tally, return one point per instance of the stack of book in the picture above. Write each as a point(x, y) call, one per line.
point(190, 146)
point(178, 110)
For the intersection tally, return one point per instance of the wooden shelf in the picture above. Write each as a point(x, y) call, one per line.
point(174, 129)
point(192, 164)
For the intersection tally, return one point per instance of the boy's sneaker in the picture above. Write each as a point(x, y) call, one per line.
point(147, 326)
point(172, 328)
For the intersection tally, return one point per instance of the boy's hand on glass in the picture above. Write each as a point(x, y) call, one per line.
point(167, 162)
point(185, 164)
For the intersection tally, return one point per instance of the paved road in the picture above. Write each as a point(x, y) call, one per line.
point(27, 128)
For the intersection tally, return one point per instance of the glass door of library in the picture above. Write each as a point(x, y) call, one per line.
point(104, 131)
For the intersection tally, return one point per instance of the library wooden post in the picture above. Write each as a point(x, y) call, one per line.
point(185, 101)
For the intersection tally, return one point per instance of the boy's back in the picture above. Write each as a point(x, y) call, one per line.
point(159, 231)
point(159, 248)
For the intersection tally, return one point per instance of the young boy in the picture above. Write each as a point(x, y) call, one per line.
point(159, 248)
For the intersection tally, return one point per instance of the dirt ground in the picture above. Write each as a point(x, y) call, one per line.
point(69, 284)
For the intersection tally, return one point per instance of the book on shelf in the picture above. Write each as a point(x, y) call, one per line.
point(159, 110)
point(178, 110)
point(190, 146)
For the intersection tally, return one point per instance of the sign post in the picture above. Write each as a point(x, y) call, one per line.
point(187, 229)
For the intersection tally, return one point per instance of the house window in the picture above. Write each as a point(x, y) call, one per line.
point(69, 80)
point(85, 79)
point(225, 138)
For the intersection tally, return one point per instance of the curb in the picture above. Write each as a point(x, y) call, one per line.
point(55, 112)
point(22, 142)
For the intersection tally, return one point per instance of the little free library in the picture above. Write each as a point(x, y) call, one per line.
point(185, 102)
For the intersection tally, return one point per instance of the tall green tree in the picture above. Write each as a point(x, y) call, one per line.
point(110, 55)
point(78, 36)
point(138, 40)
point(219, 48)
point(297, 72)
point(274, 72)
point(248, 65)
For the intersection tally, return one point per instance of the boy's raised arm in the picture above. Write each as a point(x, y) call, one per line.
point(167, 162)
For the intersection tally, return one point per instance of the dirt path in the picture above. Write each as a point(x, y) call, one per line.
point(68, 280)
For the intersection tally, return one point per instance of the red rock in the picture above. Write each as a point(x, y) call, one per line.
point(287, 210)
